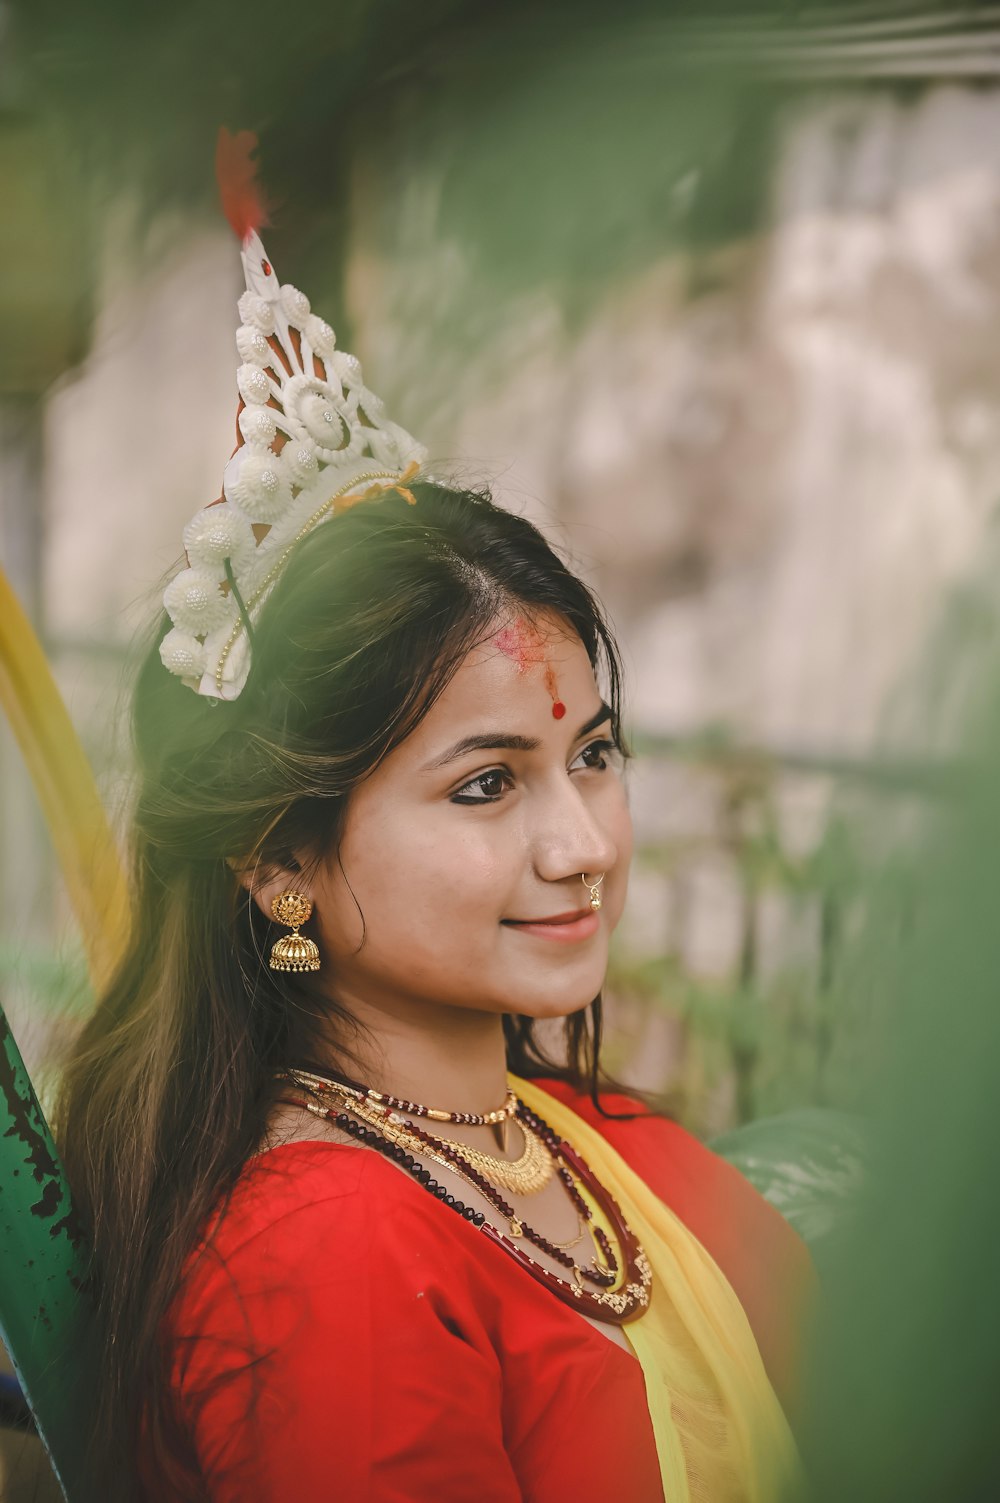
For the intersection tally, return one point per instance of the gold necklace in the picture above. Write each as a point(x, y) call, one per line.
point(525, 1175)
point(394, 1130)
point(622, 1275)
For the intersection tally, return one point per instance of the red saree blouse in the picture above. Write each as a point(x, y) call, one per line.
point(347, 1337)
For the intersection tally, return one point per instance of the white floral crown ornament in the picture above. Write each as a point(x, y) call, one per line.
point(313, 441)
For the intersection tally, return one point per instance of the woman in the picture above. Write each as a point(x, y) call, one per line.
point(341, 1251)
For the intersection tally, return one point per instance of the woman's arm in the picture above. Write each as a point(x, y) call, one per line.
point(329, 1356)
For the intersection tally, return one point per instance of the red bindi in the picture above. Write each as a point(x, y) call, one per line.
point(558, 708)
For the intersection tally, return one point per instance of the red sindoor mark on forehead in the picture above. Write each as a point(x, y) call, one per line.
point(558, 708)
point(522, 644)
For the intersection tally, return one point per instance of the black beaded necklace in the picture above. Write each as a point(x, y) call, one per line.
point(603, 1302)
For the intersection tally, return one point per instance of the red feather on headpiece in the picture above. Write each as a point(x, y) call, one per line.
point(236, 171)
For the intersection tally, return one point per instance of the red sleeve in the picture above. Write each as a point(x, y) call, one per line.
point(764, 1260)
point(338, 1352)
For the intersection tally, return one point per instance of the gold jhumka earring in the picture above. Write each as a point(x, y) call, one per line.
point(295, 951)
point(595, 888)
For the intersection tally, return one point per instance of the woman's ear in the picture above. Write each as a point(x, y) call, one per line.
point(265, 882)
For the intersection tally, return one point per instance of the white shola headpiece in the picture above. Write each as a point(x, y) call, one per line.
point(313, 441)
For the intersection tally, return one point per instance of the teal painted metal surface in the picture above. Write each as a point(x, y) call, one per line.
point(810, 1164)
point(46, 1317)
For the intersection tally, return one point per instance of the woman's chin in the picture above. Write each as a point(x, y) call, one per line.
point(552, 1004)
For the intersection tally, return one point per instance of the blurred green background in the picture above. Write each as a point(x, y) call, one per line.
point(713, 293)
point(707, 290)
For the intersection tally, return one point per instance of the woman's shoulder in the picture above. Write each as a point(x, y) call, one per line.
point(711, 1197)
point(301, 1206)
point(659, 1149)
point(295, 1187)
point(330, 1284)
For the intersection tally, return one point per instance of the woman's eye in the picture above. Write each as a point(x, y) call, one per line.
point(596, 755)
point(484, 789)
point(489, 787)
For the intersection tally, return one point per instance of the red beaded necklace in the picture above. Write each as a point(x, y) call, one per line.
point(371, 1118)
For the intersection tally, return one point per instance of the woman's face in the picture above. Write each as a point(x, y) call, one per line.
point(464, 849)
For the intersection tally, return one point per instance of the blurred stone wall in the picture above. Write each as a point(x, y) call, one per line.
point(773, 478)
point(775, 464)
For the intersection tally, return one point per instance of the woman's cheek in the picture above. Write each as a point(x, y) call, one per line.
point(478, 863)
point(624, 837)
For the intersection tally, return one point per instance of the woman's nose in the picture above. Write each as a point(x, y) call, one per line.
point(571, 837)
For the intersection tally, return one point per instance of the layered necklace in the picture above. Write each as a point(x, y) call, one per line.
point(602, 1287)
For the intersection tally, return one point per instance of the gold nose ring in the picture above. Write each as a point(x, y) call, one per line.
point(595, 888)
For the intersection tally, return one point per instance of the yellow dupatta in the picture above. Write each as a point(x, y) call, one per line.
point(721, 1434)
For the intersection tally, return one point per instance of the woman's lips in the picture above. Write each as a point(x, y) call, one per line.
point(564, 928)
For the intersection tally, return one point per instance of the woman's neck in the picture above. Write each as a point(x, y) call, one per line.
point(452, 1058)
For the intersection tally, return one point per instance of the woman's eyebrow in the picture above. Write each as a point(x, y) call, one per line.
point(501, 741)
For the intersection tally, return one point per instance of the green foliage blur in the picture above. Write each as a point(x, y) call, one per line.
point(904, 1366)
point(557, 146)
point(785, 1030)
